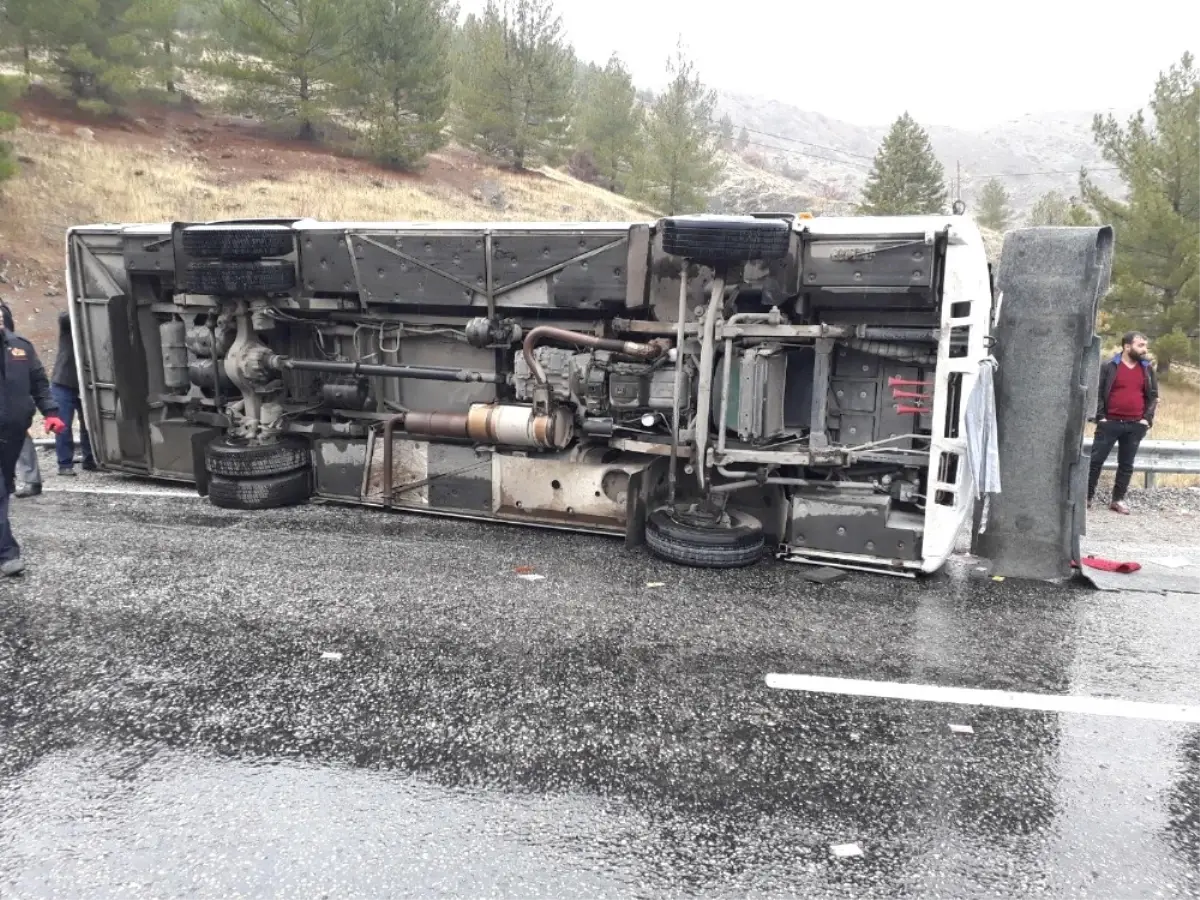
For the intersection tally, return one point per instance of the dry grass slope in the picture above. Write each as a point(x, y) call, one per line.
point(76, 182)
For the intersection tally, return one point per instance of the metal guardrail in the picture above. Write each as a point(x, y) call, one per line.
point(1159, 458)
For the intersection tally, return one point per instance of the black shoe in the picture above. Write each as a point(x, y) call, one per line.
point(90, 467)
point(29, 490)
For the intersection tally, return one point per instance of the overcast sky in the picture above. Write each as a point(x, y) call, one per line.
point(867, 61)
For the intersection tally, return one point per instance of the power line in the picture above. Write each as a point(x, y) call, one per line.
point(967, 177)
point(781, 137)
point(797, 141)
point(1059, 172)
point(805, 154)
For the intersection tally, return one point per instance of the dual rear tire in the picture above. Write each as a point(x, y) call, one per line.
point(238, 259)
point(731, 541)
point(258, 476)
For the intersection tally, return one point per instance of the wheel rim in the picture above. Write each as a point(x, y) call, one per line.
point(697, 516)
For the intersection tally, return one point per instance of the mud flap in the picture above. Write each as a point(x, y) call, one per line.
point(1050, 282)
point(130, 380)
point(200, 442)
point(644, 487)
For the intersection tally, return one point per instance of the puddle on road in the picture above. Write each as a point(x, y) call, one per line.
point(94, 822)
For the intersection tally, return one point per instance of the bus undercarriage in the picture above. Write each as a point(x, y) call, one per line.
point(717, 387)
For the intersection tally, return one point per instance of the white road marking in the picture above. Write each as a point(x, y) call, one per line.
point(932, 693)
point(128, 492)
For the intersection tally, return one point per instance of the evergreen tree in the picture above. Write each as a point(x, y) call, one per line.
point(680, 167)
point(726, 132)
point(1156, 268)
point(154, 24)
point(906, 178)
point(286, 58)
point(400, 81)
point(9, 89)
point(609, 123)
point(1175, 346)
point(743, 140)
point(514, 75)
point(1053, 209)
point(17, 37)
point(994, 211)
point(87, 48)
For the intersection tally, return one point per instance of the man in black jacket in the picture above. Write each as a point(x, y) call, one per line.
point(23, 390)
point(29, 473)
point(64, 384)
point(1127, 401)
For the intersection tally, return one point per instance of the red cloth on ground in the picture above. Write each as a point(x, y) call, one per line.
point(1109, 565)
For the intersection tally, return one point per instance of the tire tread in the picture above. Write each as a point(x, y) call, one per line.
point(275, 276)
point(237, 243)
point(726, 239)
point(256, 461)
point(271, 492)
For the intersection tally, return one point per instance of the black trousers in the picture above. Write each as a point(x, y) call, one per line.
point(1127, 436)
point(12, 441)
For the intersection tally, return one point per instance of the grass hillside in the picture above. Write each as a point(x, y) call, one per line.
point(176, 164)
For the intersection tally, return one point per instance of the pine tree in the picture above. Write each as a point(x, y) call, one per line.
point(1156, 267)
point(906, 178)
point(17, 38)
point(9, 89)
point(286, 58)
point(154, 24)
point(743, 140)
point(994, 211)
point(680, 165)
point(726, 132)
point(400, 79)
point(1053, 209)
point(86, 47)
point(609, 123)
point(514, 75)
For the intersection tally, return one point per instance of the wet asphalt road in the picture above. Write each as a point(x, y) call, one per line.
point(170, 728)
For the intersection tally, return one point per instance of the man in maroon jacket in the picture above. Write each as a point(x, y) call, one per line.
point(1125, 410)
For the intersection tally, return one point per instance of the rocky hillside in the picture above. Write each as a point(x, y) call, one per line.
point(829, 158)
point(747, 187)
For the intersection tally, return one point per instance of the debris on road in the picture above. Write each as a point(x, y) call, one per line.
point(962, 729)
point(332, 655)
point(1111, 565)
point(824, 575)
point(843, 851)
point(656, 584)
point(532, 576)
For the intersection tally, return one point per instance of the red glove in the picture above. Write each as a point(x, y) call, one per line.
point(55, 424)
